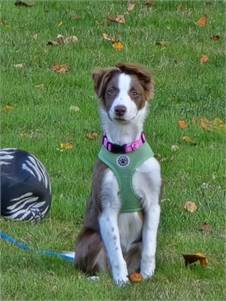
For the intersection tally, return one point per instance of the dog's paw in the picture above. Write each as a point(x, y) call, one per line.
point(121, 281)
point(148, 268)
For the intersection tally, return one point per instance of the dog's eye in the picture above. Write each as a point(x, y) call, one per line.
point(134, 92)
point(111, 91)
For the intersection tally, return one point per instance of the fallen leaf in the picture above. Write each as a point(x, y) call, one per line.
point(174, 148)
point(65, 146)
point(35, 36)
point(74, 109)
point(190, 206)
point(215, 37)
point(206, 228)
point(61, 40)
point(40, 86)
point(107, 37)
point(131, 6)
point(182, 124)
point(118, 45)
point(92, 135)
point(135, 277)
point(202, 22)
point(22, 3)
point(188, 140)
point(63, 68)
point(8, 108)
point(149, 3)
point(162, 44)
point(117, 19)
point(2, 22)
point(204, 59)
point(75, 18)
point(19, 66)
point(190, 258)
point(212, 125)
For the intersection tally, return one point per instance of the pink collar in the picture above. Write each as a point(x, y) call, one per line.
point(123, 149)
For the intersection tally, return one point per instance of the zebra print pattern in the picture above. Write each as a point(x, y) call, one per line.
point(25, 186)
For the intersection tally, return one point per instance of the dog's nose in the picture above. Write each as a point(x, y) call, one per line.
point(120, 110)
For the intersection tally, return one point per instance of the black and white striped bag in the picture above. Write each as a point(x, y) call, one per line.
point(25, 186)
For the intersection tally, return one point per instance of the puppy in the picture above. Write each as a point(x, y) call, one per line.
point(122, 217)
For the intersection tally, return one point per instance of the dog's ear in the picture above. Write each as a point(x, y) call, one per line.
point(142, 74)
point(101, 77)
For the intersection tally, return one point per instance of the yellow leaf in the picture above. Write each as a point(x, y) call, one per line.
point(190, 206)
point(182, 124)
point(188, 140)
point(202, 22)
point(65, 146)
point(92, 136)
point(118, 45)
point(8, 108)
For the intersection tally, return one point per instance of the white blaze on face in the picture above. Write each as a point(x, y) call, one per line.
point(123, 98)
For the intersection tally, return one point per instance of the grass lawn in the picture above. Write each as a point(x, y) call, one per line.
point(37, 115)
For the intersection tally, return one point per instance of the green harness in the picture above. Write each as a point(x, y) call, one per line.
point(123, 166)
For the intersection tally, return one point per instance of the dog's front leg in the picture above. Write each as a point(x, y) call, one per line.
point(110, 234)
point(149, 239)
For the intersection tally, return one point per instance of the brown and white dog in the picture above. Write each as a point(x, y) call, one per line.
point(112, 241)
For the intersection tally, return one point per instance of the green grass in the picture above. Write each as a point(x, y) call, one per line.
point(41, 120)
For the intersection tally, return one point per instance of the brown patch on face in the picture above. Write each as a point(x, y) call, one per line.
point(101, 77)
point(142, 74)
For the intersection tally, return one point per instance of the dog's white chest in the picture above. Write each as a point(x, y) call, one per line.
point(130, 229)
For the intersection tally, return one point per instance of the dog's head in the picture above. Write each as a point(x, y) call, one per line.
point(123, 90)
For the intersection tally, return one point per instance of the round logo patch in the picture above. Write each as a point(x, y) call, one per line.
point(123, 161)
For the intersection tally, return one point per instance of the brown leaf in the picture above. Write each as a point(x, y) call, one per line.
point(117, 19)
point(188, 140)
point(118, 45)
point(215, 37)
point(106, 37)
point(75, 18)
point(135, 277)
point(162, 44)
point(61, 40)
point(212, 125)
point(202, 22)
point(131, 6)
point(8, 108)
point(206, 228)
point(92, 135)
point(190, 258)
point(190, 206)
point(63, 68)
point(22, 3)
point(204, 59)
point(149, 3)
point(182, 124)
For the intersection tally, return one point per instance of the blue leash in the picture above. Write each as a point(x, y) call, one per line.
point(67, 256)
